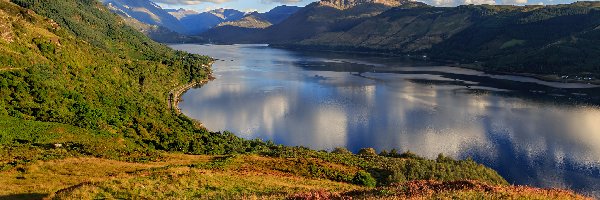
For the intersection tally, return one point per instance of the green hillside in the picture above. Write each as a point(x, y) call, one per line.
point(82, 66)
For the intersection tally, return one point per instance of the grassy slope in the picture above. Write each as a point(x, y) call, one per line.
point(178, 176)
point(80, 85)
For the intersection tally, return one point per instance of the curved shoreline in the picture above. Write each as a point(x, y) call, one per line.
point(174, 96)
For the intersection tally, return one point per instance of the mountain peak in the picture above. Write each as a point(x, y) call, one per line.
point(181, 12)
point(344, 4)
point(227, 14)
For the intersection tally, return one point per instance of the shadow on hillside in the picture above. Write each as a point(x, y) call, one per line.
point(29, 196)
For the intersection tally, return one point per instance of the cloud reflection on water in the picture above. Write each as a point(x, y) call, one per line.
point(285, 97)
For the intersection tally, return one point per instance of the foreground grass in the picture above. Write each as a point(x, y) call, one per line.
point(45, 159)
point(179, 176)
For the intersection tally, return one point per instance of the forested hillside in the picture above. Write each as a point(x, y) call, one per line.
point(84, 67)
point(558, 39)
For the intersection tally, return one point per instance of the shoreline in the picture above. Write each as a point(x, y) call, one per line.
point(174, 96)
point(541, 77)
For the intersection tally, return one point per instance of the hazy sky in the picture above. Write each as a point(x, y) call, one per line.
point(265, 5)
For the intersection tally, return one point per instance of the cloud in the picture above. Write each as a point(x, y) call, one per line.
point(513, 2)
point(188, 2)
point(462, 2)
point(282, 1)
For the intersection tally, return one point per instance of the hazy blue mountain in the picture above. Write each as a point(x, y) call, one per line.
point(146, 12)
point(260, 20)
point(280, 13)
point(196, 24)
point(181, 13)
point(182, 21)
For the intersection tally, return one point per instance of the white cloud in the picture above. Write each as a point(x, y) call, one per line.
point(188, 2)
point(514, 2)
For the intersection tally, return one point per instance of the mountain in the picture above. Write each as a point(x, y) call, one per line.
point(252, 20)
point(198, 23)
point(263, 20)
point(553, 40)
point(317, 17)
point(558, 39)
point(181, 13)
point(279, 13)
point(155, 32)
point(146, 12)
point(181, 21)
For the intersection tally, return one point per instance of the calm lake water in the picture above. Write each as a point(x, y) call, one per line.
point(532, 132)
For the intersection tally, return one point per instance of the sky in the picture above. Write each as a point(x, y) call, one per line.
point(266, 5)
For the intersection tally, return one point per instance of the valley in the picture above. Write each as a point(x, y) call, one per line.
point(347, 99)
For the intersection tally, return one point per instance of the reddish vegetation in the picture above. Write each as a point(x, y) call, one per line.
point(424, 189)
point(315, 195)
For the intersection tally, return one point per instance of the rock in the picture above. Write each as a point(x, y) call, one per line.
point(367, 152)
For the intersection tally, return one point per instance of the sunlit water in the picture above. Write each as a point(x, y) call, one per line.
point(532, 132)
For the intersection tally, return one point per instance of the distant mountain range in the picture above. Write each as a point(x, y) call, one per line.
point(556, 39)
point(314, 19)
point(146, 12)
point(181, 25)
point(263, 20)
point(198, 23)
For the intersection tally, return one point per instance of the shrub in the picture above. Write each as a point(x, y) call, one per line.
point(364, 178)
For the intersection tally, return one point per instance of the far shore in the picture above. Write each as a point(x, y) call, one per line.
point(543, 77)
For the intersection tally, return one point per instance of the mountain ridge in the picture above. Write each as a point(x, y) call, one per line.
point(263, 20)
point(310, 20)
point(147, 12)
point(553, 40)
point(503, 38)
